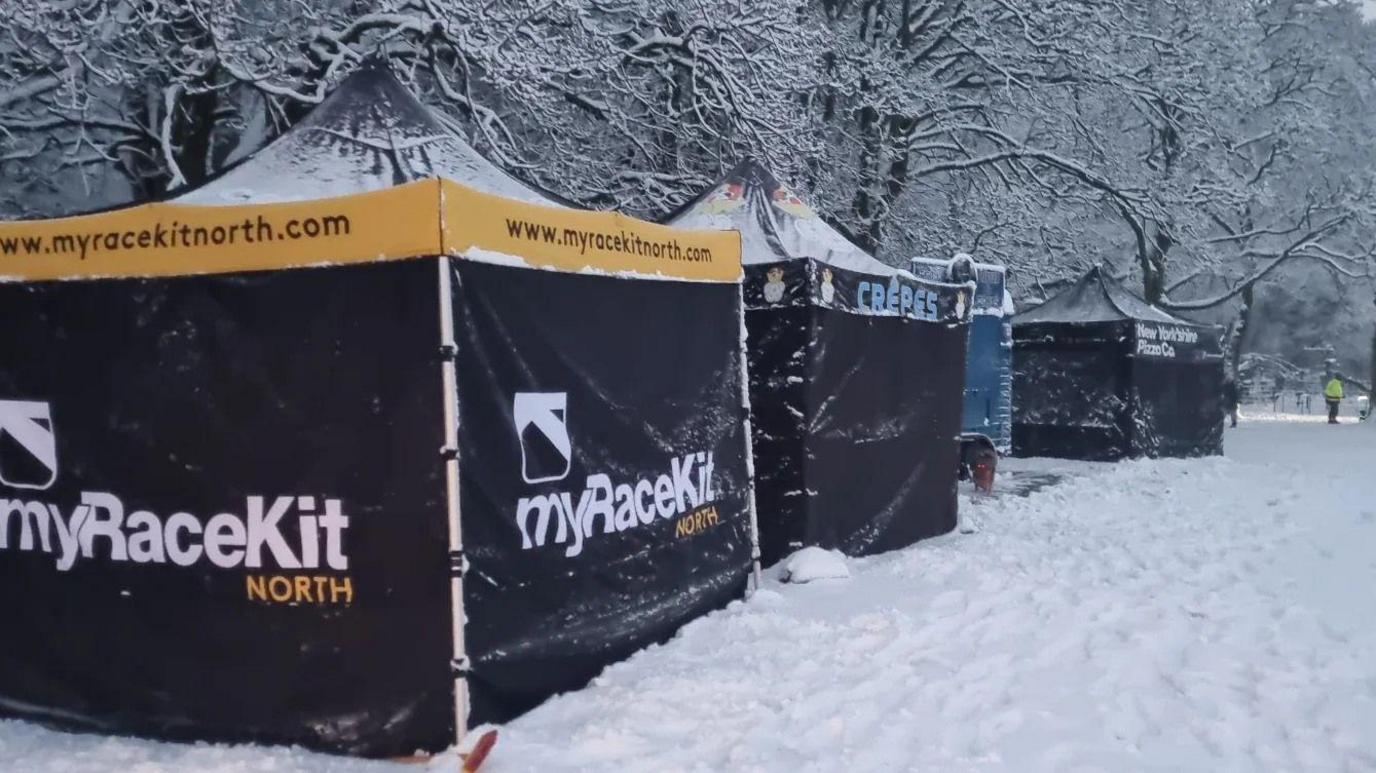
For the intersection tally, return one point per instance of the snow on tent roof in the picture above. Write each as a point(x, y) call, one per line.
point(773, 221)
point(369, 133)
point(1096, 297)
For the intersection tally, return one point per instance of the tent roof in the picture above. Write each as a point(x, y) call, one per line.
point(773, 221)
point(370, 133)
point(1096, 297)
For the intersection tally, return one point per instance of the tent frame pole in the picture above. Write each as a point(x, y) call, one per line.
point(458, 562)
point(755, 577)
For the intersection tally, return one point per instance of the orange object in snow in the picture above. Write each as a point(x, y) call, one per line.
point(475, 757)
point(982, 469)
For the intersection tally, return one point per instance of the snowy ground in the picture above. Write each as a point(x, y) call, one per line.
point(1209, 615)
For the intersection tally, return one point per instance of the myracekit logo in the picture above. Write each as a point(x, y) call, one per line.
point(685, 491)
point(28, 447)
point(100, 527)
point(289, 538)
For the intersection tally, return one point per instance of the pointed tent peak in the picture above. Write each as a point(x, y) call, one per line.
point(729, 190)
point(750, 173)
point(1131, 304)
point(369, 133)
point(375, 61)
point(774, 221)
point(1095, 297)
point(730, 195)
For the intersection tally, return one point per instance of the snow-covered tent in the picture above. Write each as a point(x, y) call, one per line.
point(856, 370)
point(369, 134)
point(1099, 373)
point(358, 472)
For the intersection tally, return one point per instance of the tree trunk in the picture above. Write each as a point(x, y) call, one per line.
point(1244, 323)
point(1154, 264)
point(866, 204)
point(195, 129)
point(1372, 375)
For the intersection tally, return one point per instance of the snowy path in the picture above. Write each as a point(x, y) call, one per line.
point(1175, 615)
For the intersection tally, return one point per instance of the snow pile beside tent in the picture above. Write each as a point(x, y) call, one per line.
point(814, 563)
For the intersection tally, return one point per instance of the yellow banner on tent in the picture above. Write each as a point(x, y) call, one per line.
point(177, 239)
point(574, 240)
point(427, 217)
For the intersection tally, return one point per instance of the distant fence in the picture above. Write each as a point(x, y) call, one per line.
point(1301, 403)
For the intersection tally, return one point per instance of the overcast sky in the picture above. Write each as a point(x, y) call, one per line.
point(1370, 8)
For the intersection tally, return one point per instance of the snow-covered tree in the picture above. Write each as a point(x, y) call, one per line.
point(1205, 148)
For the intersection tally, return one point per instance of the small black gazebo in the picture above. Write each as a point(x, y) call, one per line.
point(1101, 374)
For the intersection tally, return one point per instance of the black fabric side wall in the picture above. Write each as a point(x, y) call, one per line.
point(778, 343)
point(603, 471)
point(1070, 391)
point(884, 406)
point(1177, 407)
point(179, 403)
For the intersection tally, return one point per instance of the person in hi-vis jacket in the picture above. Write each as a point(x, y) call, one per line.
point(1333, 395)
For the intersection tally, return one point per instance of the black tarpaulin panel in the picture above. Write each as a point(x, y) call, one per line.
point(1071, 386)
point(855, 415)
point(1177, 407)
point(603, 472)
point(778, 342)
point(883, 426)
point(1073, 407)
point(173, 404)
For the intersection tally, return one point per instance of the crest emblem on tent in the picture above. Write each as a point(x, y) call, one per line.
point(28, 448)
point(789, 202)
point(774, 287)
point(726, 198)
point(541, 420)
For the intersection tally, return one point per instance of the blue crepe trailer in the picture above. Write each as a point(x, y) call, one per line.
point(987, 419)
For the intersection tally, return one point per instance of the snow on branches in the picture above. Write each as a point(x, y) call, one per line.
point(1176, 139)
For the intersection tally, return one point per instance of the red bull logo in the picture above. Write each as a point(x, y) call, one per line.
point(726, 198)
point(789, 202)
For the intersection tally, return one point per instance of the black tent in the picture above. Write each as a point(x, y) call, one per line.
point(856, 377)
point(1101, 374)
point(358, 472)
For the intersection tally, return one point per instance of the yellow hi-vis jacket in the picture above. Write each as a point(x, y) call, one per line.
point(1334, 390)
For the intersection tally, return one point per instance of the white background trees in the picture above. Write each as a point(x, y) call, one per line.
point(1216, 151)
